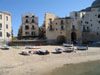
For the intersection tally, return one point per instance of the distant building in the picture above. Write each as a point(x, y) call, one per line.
point(5, 26)
point(89, 21)
point(29, 28)
point(57, 29)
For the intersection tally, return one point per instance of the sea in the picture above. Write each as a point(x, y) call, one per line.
point(88, 68)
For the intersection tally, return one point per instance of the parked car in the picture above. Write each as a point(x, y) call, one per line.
point(24, 53)
point(43, 52)
point(6, 47)
point(58, 50)
point(32, 47)
point(68, 47)
point(33, 52)
point(82, 47)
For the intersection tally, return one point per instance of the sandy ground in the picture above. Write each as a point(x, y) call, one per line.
point(12, 63)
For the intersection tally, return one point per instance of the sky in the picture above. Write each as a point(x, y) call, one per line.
point(61, 8)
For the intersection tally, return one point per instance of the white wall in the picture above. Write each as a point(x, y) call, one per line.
point(4, 29)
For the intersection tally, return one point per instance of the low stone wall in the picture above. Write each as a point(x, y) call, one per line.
point(27, 42)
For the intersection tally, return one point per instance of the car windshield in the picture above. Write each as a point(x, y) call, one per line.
point(67, 46)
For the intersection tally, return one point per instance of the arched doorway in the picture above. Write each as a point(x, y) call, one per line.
point(61, 39)
point(73, 37)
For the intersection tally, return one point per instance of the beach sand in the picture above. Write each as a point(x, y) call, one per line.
point(12, 63)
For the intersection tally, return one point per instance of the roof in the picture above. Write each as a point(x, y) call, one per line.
point(5, 12)
point(96, 3)
point(86, 9)
point(28, 14)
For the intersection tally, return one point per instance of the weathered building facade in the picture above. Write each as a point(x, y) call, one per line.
point(5, 26)
point(89, 21)
point(80, 27)
point(58, 29)
point(29, 28)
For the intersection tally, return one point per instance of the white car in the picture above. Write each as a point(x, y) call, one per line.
point(68, 47)
point(82, 47)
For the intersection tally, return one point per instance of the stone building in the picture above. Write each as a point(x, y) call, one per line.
point(57, 29)
point(29, 28)
point(89, 19)
point(5, 26)
point(81, 26)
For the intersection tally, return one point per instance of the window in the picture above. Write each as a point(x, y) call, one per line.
point(98, 15)
point(76, 15)
point(26, 16)
point(51, 27)
point(98, 21)
point(33, 33)
point(91, 25)
point(7, 34)
point(6, 18)
point(87, 28)
point(26, 27)
point(97, 33)
point(6, 26)
point(32, 20)
point(84, 28)
point(50, 20)
point(86, 22)
point(62, 22)
point(73, 27)
point(32, 16)
point(0, 25)
point(27, 21)
point(62, 27)
point(82, 16)
point(81, 22)
point(27, 33)
point(56, 23)
point(0, 34)
point(33, 27)
point(0, 17)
